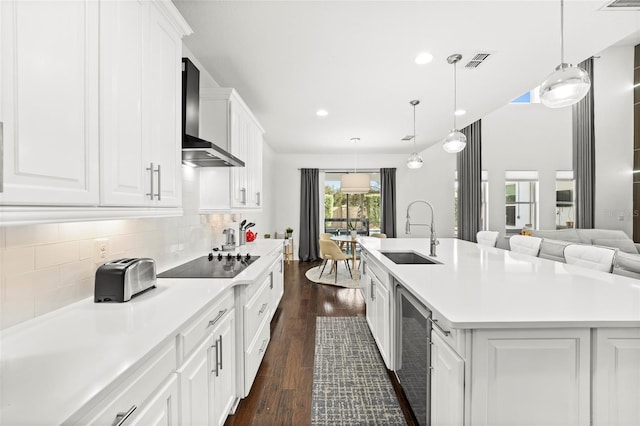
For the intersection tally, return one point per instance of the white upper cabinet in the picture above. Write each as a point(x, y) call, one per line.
point(49, 102)
point(227, 121)
point(90, 107)
point(140, 106)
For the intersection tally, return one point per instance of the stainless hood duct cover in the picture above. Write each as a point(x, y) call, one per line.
point(196, 151)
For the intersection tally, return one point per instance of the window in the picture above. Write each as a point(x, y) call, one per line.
point(484, 204)
point(521, 206)
point(565, 200)
point(343, 211)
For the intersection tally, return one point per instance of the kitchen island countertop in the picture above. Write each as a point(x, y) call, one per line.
point(477, 286)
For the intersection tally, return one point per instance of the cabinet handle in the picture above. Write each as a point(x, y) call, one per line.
point(264, 346)
point(217, 318)
point(122, 416)
point(220, 359)
point(159, 183)
point(243, 196)
point(215, 364)
point(151, 171)
point(262, 308)
point(258, 198)
point(442, 330)
point(431, 367)
point(373, 291)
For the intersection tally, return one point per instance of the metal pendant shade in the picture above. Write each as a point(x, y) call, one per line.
point(567, 84)
point(355, 183)
point(415, 160)
point(455, 141)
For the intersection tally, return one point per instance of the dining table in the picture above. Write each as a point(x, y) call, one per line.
point(347, 239)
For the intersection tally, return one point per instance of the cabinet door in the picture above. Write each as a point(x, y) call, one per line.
point(447, 384)
point(49, 103)
point(124, 154)
point(370, 299)
point(193, 378)
point(161, 408)
point(223, 373)
point(162, 108)
point(383, 321)
point(254, 169)
point(616, 383)
point(239, 143)
point(278, 283)
point(515, 372)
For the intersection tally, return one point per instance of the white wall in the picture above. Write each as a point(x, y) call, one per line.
point(613, 91)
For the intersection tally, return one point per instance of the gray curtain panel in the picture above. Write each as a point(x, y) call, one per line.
point(584, 164)
point(309, 247)
point(470, 183)
point(388, 202)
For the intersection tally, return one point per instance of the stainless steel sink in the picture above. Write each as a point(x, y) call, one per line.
point(408, 258)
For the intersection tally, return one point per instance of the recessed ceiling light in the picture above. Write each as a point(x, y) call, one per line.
point(322, 113)
point(424, 58)
point(460, 112)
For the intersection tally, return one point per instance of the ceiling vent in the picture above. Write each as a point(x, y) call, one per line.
point(477, 60)
point(622, 5)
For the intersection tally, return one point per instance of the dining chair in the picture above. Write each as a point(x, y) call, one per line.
point(379, 235)
point(588, 256)
point(329, 250)
point(525, 245)
point(326, 236)
point(487, 238)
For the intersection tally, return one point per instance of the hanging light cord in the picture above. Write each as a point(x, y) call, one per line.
point(414, 127)
point(455, 95)
point(561, 32)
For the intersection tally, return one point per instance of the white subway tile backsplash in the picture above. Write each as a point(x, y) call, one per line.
point(18, 260)
point(86, 249)
point(16, 236)
point(56, 254)
point(76, 271)
point(78, 231)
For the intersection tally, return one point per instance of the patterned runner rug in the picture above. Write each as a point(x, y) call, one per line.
point(350, 382)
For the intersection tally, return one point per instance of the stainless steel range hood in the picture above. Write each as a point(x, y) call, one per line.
point(195, 151)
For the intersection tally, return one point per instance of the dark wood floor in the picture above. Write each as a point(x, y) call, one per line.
point(281, 392)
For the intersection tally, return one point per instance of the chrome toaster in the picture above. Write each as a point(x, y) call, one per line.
point(122, 279)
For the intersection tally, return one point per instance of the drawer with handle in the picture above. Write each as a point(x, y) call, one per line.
point(257, 309)
point(254, 354)
point(193, 333)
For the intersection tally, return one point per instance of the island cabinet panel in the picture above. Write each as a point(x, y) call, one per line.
point(447, 383)
point(527, 377)
point(616, 383)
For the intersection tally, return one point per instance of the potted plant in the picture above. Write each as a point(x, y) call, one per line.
point(267, 236)
point(352, 230)
point(288, 233)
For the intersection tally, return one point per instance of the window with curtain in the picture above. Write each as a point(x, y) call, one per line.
point(521, 201)
point(343, 212)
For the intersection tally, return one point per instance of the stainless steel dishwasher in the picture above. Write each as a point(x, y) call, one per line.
point(414, 355)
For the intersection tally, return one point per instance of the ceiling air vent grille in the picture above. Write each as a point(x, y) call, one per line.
point(623, 5)
point(477, 60)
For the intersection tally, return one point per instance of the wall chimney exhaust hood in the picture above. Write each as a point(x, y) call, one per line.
point(195, 151)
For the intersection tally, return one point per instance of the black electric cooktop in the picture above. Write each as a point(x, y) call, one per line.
point(212, 266)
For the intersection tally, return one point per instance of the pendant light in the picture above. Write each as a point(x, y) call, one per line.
point(455, 140)
point(567, 84)
point(355, 183)
point(415, 160)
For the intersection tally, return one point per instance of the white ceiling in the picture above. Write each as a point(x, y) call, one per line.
point(355, 59)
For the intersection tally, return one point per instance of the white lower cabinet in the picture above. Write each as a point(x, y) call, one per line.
point(616, 383)
point(207, 374)
point(378, 308)
point(447, 383)
point(150, 392)
point(531, 377)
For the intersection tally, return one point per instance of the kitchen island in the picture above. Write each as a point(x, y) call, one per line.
point(85, 362)
point(516, 339)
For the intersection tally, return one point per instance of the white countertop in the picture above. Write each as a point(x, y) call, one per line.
point(485, 287)
point(53, 365)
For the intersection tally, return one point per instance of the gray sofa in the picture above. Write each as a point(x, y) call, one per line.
point(627, 259)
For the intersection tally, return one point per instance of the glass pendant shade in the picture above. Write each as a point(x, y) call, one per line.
point(565, 86)
point(355, 183)
point(454, 142)
point(414, 161)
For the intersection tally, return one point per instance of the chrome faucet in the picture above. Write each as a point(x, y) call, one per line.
point(433, 239)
